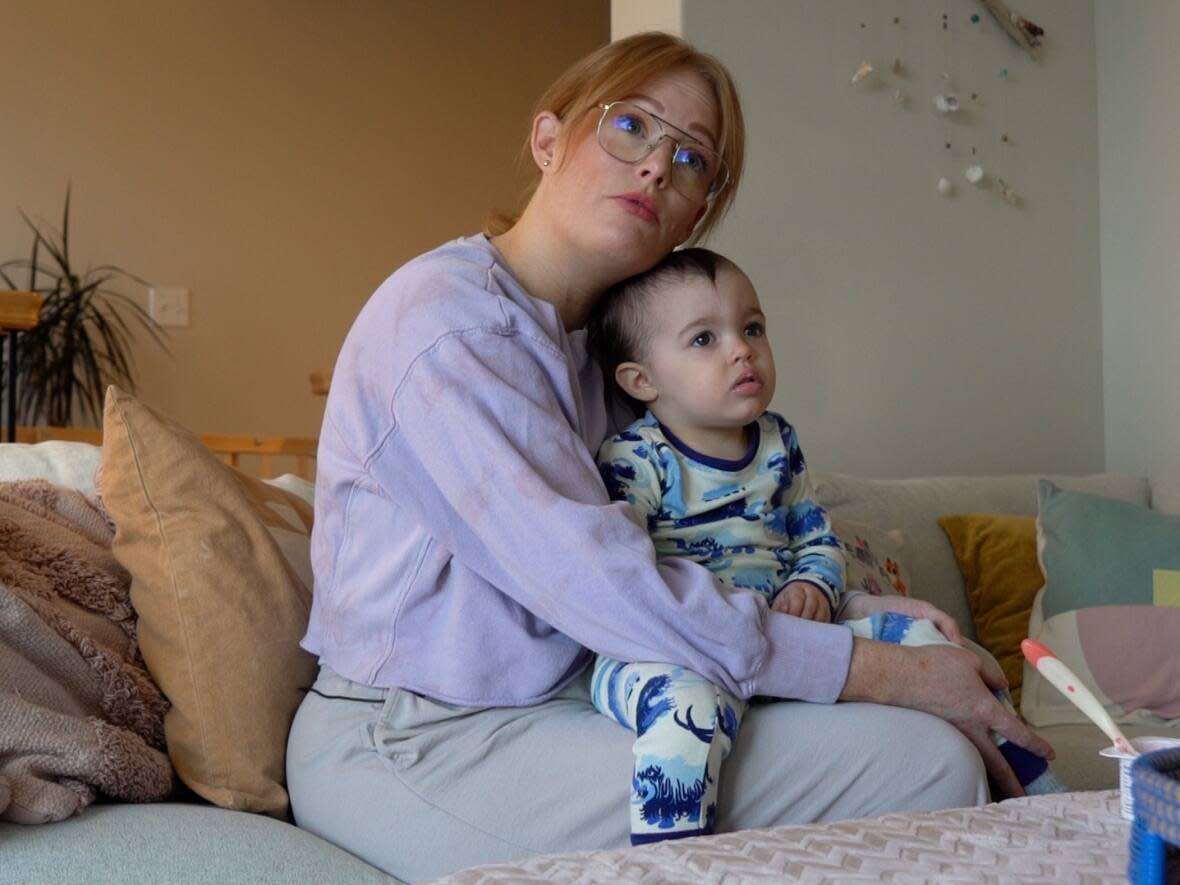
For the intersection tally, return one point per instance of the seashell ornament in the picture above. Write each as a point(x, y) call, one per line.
point(863, 71)
point(974, 174)
point(946, 104)
point(945, 188)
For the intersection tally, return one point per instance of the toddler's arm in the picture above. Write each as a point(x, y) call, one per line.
point(818, 559)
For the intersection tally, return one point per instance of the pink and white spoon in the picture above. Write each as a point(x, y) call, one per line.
point(1065, 681)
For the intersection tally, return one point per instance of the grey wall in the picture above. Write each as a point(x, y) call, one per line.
point(917, 334)
point(1138, 130)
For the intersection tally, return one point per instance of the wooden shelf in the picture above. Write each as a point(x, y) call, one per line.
point(19, 310)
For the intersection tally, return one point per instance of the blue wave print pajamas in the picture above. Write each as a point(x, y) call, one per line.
point(754, 524)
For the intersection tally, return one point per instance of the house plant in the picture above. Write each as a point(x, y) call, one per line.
point(83, 341)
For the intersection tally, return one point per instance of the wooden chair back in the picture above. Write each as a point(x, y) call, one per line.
point(19, 310)
point(321, 380)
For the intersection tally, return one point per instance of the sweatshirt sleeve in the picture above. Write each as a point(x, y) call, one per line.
point(818, 556)
point(482, 450)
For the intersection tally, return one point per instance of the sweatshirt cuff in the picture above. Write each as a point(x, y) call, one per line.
point(805, 660)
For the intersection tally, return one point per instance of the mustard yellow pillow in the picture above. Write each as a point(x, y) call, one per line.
point(221, 585)
point(997, 555)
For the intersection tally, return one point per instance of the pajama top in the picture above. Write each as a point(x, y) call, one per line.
point(753, 522)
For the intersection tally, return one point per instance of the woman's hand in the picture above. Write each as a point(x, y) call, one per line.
point(863, 605)
point(953, 684)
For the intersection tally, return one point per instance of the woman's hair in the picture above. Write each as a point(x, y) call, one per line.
point(621, 68)
point(620, 327)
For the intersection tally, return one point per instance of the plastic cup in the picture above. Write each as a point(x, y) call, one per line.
point(1143, 745)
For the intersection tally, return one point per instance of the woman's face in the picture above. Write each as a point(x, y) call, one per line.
point(631, 211)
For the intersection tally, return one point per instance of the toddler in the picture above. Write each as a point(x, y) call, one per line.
point(717, 478)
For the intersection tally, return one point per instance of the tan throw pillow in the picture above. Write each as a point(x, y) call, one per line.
point(221, 582)
point(997, 555)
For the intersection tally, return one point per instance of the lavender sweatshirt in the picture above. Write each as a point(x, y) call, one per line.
point(464, 546)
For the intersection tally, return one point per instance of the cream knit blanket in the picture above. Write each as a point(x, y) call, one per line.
point(79, 713)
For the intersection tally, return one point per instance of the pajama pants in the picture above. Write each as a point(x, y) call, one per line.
point(421, 788)
point(685, 726)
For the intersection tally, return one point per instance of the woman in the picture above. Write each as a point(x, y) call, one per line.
point(468, 560)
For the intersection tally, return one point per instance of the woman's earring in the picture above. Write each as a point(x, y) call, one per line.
point(544, 162)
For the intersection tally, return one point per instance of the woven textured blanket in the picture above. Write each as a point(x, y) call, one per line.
point(1071, 837)
point(79, 713)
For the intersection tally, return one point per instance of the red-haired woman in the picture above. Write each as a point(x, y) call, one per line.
point(469, 563)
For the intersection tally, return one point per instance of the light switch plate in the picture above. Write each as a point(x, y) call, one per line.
point(168, 305)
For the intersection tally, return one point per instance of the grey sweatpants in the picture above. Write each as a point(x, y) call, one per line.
point(421, 789)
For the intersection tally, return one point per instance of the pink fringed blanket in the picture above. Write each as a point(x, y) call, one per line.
point(78, 711)
point(1064, 837)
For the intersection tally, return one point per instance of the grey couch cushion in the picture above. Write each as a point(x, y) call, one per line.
point(914, 506)
point(174, 843)
point(1165, 494)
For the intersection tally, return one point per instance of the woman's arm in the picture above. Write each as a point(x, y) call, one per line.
point(951, 683)
point(483, 449)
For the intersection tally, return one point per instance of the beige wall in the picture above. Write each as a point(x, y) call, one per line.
point(1139, 128)
point(632, 16)
point(277, 157)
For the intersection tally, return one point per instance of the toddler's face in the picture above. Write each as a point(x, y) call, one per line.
point(708, 356)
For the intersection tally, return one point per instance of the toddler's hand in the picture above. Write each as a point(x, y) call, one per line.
point(863, 605)
point(803, 600)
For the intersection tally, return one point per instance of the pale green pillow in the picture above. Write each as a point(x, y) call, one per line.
point(1110, 608)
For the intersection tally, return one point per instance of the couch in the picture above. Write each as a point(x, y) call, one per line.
point(914, 507)
point(190, 840)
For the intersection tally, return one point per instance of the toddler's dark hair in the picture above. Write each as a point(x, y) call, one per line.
point(619, 328)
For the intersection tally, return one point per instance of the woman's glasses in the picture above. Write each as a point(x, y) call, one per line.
point(629, 133)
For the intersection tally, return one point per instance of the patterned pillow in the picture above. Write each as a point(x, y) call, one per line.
point(874, 558)
point(1110, 608)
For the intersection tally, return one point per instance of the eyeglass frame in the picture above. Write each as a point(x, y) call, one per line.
point(652, 145)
